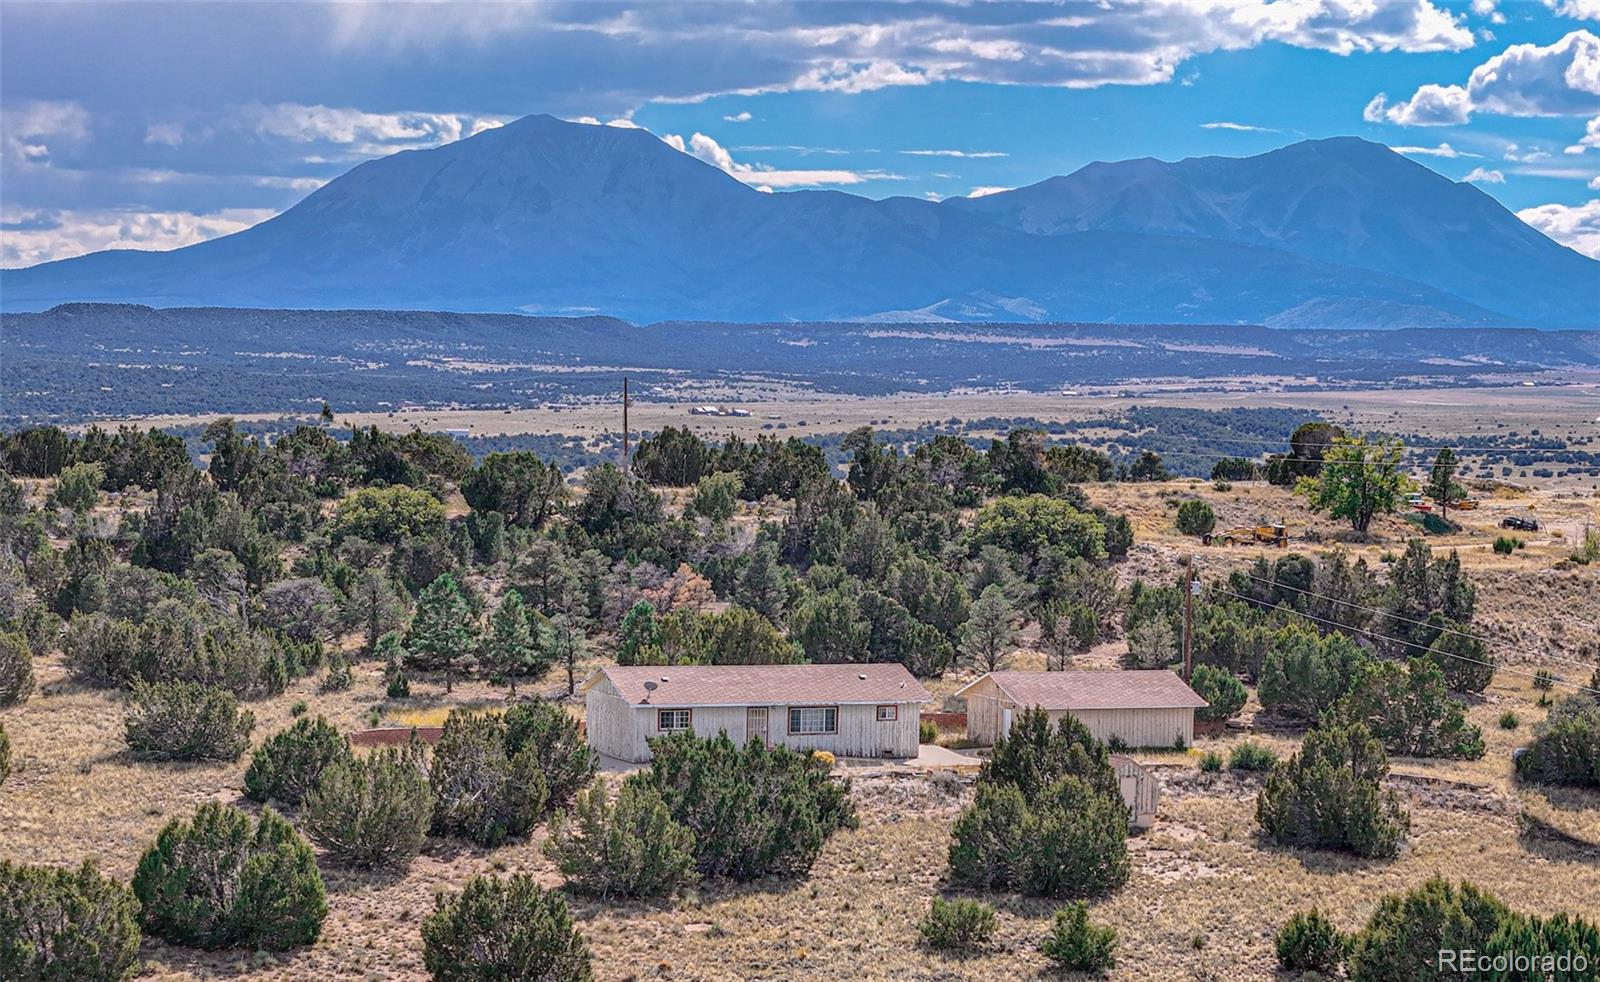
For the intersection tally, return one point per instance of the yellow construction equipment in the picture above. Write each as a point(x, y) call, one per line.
point(1272, 534)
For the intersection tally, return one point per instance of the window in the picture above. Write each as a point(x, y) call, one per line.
point(813, 719)
point(888, 714)
point(668, 720)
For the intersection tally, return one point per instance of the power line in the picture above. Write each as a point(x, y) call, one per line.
point(1409, 620)
point(1413, 644)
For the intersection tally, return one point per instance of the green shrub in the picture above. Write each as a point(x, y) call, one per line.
point(1330, 795)
point(287, 766)
point(754, 811)
point(503, 929)
point(627, 848)
point(567, 762)
point(1224, 694)
point(1048, 818)
point(299, 709)
point(1544, 680)
point(1308, 942)
point(1509, 720)
point(1252, 757)
point(1505, 545)
point(1034, 756)
point(1303, 675)
point(66, 924)
point(1077, 945)
point(186, 721)
point(339, 678)
point(16, 668)
point(1403, 938)
point(221, 881)
point(372, 812)
point(396, 684)
point(5, 754)
point(1406, 706)
point(1195, 517)
point(1565, 747)
point(958, 925)
point(484, 793)
point(1467, 663)
point(927, 732)
point(1537, 938)
point(1210, 762)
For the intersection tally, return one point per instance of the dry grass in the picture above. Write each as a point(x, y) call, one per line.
point(1199, 874)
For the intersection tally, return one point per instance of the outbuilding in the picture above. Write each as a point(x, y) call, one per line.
point(1128, 708)
point(847, 710)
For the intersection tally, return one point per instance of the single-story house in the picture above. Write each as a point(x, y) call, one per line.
point(847, 710)
point(1138, 708)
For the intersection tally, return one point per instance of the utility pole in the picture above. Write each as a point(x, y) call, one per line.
point(1188, 617)
point(624, 424)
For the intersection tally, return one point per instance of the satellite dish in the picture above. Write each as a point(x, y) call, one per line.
point(649, 687)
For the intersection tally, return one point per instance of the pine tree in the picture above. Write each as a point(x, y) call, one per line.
point(442, 631)
point(637, 638)
point(568, 646)
point(990, 630)
point(1442, 481)
point(511, 649)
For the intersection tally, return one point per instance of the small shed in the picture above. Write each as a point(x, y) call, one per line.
point(1137, 708)
point(847, 710)
point(1141, 790)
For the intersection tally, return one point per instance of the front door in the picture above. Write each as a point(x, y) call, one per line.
point(755, 723)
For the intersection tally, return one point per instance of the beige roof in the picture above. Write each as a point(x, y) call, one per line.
point(763, 685)
point(1158, 689)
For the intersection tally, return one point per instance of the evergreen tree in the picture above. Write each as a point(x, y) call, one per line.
point(441, 634)
point(637, 641)
point(990, 630)
point(1442, 486)
point(511, 648)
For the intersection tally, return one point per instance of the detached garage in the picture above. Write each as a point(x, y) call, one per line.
point(847, 710)
point(1139, 708)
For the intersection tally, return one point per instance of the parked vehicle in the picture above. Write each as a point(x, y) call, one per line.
point(1520, 523)
point(1274, 534)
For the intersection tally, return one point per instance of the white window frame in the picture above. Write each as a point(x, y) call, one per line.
point(663, 714)
point(828, 714)
point(894, 713)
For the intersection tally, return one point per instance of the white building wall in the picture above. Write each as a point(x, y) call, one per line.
point(622, 731)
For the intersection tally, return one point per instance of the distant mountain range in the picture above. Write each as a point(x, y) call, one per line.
point(549, 217)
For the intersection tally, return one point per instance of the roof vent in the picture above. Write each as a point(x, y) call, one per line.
point(862, 676)
point(663, 678)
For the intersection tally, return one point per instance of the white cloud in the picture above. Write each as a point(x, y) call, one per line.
point(165, 134)
point(971, 154)
point(1594, 183)
point(1483, 175)
point(740, 117)
point(1576, 9)
point(1590, 138)
point(1516, 154)
point(763, 177)
point(33, 236)
point(983, 192)
point(30, 127)
point(1576, 226)
point(1559, 79)
point(1444, 150)
point(386, 132)
point(777, 47)
point(1432, 105)
point(1238, 127)
point(1486, 8)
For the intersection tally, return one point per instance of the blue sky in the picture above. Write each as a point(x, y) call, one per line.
point(153, 125)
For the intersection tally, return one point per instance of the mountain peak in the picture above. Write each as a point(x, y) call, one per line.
point(545, 215)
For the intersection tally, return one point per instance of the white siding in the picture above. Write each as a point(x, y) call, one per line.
point(622, 731)
point(986, 706)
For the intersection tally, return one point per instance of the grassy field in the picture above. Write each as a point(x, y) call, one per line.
point(1203, 901)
